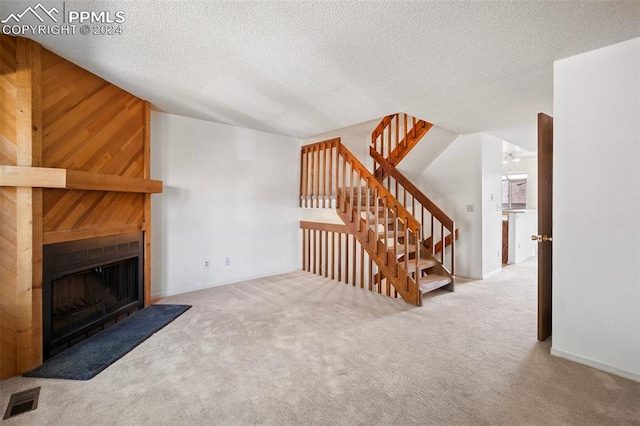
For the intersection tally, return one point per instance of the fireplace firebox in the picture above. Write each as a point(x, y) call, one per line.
point(89, 285)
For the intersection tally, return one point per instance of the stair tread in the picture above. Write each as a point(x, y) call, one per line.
point(422, 264)
point(432, 282)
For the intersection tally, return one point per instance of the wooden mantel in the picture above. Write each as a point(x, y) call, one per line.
point(47, 177)
point(74, 163)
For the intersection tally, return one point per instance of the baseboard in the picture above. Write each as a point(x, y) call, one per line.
point(219, 284)
point(595, 364)
point(490, 274)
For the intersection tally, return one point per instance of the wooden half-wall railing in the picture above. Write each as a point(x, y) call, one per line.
point(385, 228)
point(331, 251)
point(396, 135)
point(318, 165)
point(436, 227)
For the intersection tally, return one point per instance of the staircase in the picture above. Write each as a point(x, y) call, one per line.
point(408, 238)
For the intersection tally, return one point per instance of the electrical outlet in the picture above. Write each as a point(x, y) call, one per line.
point(227, 261)
point(206, 264)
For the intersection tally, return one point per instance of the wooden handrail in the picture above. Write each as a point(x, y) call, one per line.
point(393, 204)
point(413, 190)
point(317, 186)
point(356, 185)
point(396, 135)
point(405, 186)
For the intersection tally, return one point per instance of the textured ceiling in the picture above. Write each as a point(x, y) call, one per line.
point(304, 68)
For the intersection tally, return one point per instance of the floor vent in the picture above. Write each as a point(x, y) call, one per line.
point(22, 402)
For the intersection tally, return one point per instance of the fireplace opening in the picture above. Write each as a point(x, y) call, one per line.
point(87, 286)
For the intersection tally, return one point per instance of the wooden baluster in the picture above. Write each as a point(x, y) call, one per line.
point(397, 116)
point(309, 178)
point(387, 290)
point(396, 223)
point(344, 185)
point(385, 223)
point(380, 278)
point(433, 238)
point(331, 191)
point(320, 253)
point(302, 171)
point(414, 127)
point(346, 259)
point(361, 266)
point(353, 251)
point(443, 243)
point(370, 273)
point(389, 142)
point(453, 250)
point(340, 256)
point(406, 247)
point(352, 198)
point(382, 144)
point(413, 204)
point(312, 176)
point(368, 207)
point(323, 172)
point(417, 257)
point(304, 249)
point(404, 197)
point(406, 130)
point(326, 254)
point(333, 255)
point(422, 223)
point(313, 251)
point(359, 201)
point(376, 217)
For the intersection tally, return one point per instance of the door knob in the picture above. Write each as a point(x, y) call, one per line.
point(541, 238)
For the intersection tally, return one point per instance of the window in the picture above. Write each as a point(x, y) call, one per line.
point(514, 191)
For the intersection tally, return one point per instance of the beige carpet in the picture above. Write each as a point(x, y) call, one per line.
point(299, 349)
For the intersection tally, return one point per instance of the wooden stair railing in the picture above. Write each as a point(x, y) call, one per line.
point(331, 251)
point(331, 176)
point(318, 165)
point(395, 136)
point(435, 225)
point(380, 224)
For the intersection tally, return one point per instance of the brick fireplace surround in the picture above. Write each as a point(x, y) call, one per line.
point(74, 164)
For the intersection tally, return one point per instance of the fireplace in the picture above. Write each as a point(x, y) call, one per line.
point(89, 285)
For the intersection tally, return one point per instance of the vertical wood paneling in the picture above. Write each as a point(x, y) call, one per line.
point(8, 213)
point(147, 203)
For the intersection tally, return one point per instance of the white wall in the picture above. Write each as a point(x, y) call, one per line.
point(596, 241)
point(491, 204)
point(228, 192)
point(463, 177)
point(426, 151)
point(453, 181)
point(521, 227)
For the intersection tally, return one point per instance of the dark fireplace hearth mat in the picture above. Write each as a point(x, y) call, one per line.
point(89, 357)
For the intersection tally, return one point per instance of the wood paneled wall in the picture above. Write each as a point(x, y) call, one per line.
point(8, 248)
point(89, 125)
point(56, 114)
